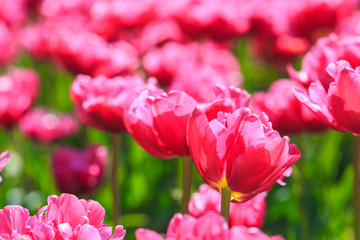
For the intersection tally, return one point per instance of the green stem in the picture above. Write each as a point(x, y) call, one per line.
point(356, 198)
point(225, 202)
point(115, 140)
point(303, 194)
point(186, 186)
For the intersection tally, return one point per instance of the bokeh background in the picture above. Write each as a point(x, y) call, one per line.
point(316, 203)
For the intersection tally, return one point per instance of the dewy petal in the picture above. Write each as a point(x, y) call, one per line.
point(203, 144)
point(344, 96)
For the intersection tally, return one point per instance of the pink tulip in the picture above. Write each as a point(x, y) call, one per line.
point(13, 13)
point(97, 56)
point(158, 32)
point(4, 159)
point(239, 151)
point(241, 232)
point(108, 16)
point(225, 99)
point(209, 226)
point(19, 88)
point(336, 106)
point(7, 44)
point(250, 213)
point(52, 8)
point(158, 122)
point(46, 127)
point(65, 217)
point(72, 218)
point(326, 50)
point(212, 19)
point(181, 66)
point(100, 102)
point(16, 223)
point(78, 171)
point(286, 113)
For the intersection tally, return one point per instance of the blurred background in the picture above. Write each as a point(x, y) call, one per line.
point(45, 35)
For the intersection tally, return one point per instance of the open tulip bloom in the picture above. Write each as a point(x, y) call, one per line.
point(338, 105)
point(239, 154)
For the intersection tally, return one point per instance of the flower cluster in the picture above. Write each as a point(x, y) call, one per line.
point(65, 217)
point(208, 226)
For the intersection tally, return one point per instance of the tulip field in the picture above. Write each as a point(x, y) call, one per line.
point(179, 120)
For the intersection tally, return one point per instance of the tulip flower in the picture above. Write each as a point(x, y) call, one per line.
point(78, 171)
point(335, 106)
point(19, 88)
point(7, 44)
point(325, 51)
point(100, 102)
point(238, 154)
point(157, 121)
point(75, 218)
point(213, 19)
point(250, 213)
point(286, 113)
point(16, 223)
point(4, 159)
point(206, 64)
point(65, 217)
point(108, 16)
point(209, 226)
point(97, 56)
point(46, 127)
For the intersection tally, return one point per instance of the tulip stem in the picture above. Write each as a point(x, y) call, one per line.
point(356, 196)
point(186, 184)
point(225, 203)
point(115, 141)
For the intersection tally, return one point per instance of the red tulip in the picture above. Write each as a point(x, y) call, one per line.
point(336, 106)
point(18, 90)
point(250, 213)
point(286, 113)
point(239, 151)
point(158, 122)
point(4, 159)
point(100, 102)
point(46, 127)
point(78, 171)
